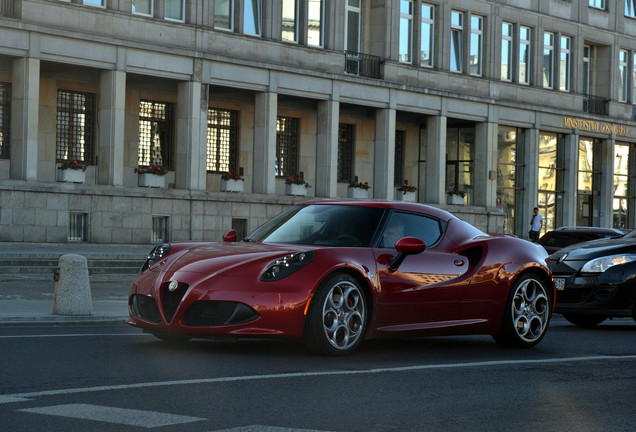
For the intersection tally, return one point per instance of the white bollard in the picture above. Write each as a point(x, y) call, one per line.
point(73, 288)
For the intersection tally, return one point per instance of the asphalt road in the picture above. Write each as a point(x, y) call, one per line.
point(114, 378)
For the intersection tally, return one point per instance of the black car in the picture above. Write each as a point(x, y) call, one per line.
point(596, 280)
point(561, 237)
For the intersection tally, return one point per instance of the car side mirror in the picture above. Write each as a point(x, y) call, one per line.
point(230, 236)
point(406, 246)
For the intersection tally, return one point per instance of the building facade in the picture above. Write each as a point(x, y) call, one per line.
point(489, 108)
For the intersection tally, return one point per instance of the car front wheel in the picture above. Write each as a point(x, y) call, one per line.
point(584, 320)
point(337, 316)
point(527, 313)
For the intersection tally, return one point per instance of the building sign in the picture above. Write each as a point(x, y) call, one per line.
point(595, 126)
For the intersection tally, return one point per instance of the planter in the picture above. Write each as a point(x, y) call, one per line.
point(456, 200)
point(353, 192)
point(295, 189)
point(406, 196)
point(151, 180)
point(71, 175)
point(232, 185)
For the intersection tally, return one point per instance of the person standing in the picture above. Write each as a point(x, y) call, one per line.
point(536, 223)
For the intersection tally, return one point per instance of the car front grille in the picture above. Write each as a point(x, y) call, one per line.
point(575, 295)
point(218, 313)
point(145, 308)
point(170, 300)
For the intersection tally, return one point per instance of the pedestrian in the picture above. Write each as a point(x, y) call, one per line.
point(536, 223)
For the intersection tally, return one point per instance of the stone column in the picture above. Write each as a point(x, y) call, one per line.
point(568, 199)
point(530, 179)
point(191, 141)
point(111, 117)
point(384, 154)
point(327, 149)
point(25, 105)
point(265, 115)
point(433, 180)
point(485, 187)
point(606, 204)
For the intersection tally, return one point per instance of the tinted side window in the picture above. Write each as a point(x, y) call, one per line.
point(401, 225)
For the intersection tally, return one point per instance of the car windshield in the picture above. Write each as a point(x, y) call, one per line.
point(631, 234)
point(322, 225)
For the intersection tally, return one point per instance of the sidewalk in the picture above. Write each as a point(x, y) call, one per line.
point(27, 297)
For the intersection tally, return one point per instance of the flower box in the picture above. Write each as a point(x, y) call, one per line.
point(456, 199)
point(354, 192)
point(295, 189)
point(232, 185)
point(71, 175)
point(406, 196)
point(151, 180)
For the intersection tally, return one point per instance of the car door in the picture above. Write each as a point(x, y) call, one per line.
point(425, 290)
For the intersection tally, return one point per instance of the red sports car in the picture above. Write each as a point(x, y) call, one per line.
point(336, 272)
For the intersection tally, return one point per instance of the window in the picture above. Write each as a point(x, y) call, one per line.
point(175, 10)
point(223, 14)
point(460, 160)
point(5, 120)
point(622, 72)
point(398, 170)
point(77, 227)
point(510, 176)
point(548, 59)
point(550, 178)
point(315, 13)
point(401, 225)
point(222, 151)
point(406, 31)
point(289, 21)
point(159, 229)
point(524, 55)
point(456, 41)
point(252, 17)
point(142, 7)
point(427, 35)
point(634, 77)
point(589, 175)
point(286, 164)
point(345, 152)
point(352, 32)
point(630, 8)
point(476, 44)
point(564, 63)
point(624, 183)
point(599, 4)
point(75, 126)
point(587, 65)
point(506, 51)
point(155, 134)
point(100, 3)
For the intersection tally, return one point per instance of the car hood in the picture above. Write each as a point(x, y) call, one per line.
point(231, 258)
point(596, 248)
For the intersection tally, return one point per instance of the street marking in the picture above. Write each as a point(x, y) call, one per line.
point(532, 362)
point(261, 428)
point(129, 417)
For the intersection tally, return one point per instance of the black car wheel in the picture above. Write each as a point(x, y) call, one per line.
point(526, 315)
point(337, 316)
point(584, 320)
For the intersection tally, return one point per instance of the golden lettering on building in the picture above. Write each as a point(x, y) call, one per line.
point(595, 126)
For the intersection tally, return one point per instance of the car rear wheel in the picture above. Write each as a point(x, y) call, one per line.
point(527, 313)
point(337, 316)
point(584, 320)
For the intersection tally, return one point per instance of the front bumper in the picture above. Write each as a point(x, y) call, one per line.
point(596, 295)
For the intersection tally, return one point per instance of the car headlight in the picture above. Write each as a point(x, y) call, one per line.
point(599, 265)
point(286, 265)
point(155, 255)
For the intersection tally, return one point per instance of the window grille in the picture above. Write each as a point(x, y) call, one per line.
point(156, 134)
point(159, 229)
point(75, 127)
point(286, 146)
point(5, 120)
point(345, 152)
point(398, 174)
point(222, 151)
point(77, 227)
